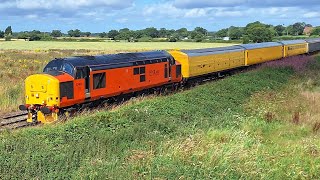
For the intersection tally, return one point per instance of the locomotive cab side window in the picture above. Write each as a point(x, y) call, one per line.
point(142, 70)
point(99, 80)
point(135, 71)
point(142, 78)
point(81, 73)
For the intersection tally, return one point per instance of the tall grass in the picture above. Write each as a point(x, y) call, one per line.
point(192, 134)
point(244, 126)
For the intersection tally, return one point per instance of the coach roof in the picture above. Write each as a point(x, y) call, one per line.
point(260, 45)
point(211, 51)
point(292, 42)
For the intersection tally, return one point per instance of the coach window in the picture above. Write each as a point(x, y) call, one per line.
point(99, 80)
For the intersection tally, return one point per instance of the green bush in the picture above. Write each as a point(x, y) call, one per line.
point(145, 39)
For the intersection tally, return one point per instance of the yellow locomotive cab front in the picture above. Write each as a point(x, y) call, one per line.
point(42, 96)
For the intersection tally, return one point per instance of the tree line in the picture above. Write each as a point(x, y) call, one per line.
point(252, 32)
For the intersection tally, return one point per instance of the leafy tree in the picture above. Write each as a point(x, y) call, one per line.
point(174, 37)
point(1, 34)
point(193, 34)
point(103, 35)
point(8, 31)
point(199, 37)
point(290, 30)
point(113, 33)
point(183, 32)
point(8, 37)
point(273, 31)
point(235, 32)
point(35, 35)
point(163, 33)
point(245, 39)
point(124, 34)
point(279, 30)
point(136, 34)
point(23, 35)
point(171, 32)
point(222, 33)
point(70, 33)
point(298, 28)
point(74, 33)
point(152, 32)
point(201, 30)
point(87, 34)
point(77, 33)
point(315, 31)
point(56, 33)
point(124, 30)
point(258, 32)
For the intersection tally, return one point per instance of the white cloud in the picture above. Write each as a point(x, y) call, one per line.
point(196, 13)
point(63, 9)
point(311, 15)
point(259, 13)
point(190, 4)
point(122, 20)
point(32, 16)
point(71, 4)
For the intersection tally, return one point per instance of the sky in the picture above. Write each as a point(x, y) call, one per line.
point(104, 15)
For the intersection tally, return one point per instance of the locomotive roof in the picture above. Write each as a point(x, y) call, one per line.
point(210, 51)
point(110, 61)
point(260, 45)
point(292, 42)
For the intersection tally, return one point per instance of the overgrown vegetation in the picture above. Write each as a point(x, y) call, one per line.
point(232, 128)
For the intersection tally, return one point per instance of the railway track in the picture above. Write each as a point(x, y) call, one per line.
point(14, 120)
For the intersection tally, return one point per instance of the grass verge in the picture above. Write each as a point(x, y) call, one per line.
point(216, 130)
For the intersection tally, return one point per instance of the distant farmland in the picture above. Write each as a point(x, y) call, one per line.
point(106, 46)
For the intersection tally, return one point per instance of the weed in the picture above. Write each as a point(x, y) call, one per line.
point(316, 127)
point(296, 118)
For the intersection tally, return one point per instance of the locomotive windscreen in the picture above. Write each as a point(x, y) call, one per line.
point(59, 65)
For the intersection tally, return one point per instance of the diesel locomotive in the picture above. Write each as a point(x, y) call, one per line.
point(72, 83)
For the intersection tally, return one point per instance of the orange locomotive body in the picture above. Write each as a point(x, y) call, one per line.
point(87, 79)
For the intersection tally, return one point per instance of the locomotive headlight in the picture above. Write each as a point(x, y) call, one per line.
point(37, 95)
